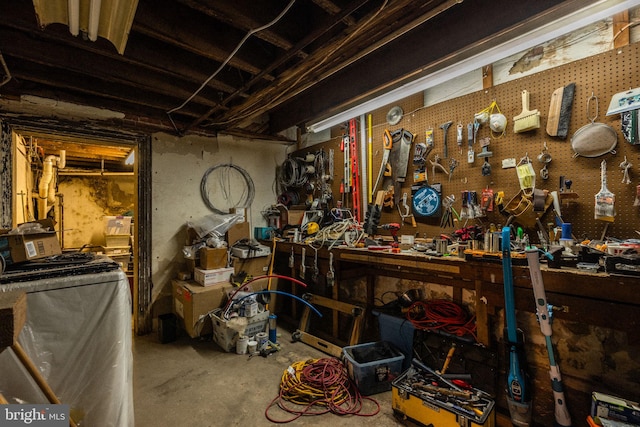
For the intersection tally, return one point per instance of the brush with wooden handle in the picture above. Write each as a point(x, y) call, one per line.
point(528, 119)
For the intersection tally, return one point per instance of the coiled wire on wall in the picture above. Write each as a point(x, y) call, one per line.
point(293, 173)
point(442, 315)
point(248, 193)
point(316, 387)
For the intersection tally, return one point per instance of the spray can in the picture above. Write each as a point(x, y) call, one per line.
point(273, 335)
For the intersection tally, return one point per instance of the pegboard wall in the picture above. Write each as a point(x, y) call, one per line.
point(603, 75)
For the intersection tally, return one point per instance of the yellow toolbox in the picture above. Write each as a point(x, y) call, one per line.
point(420, 401)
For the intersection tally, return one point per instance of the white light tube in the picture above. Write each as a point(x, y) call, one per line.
point(73, 16)
point(595, 12)
point(94, 19)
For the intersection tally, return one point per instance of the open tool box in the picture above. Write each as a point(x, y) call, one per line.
point(426, 398)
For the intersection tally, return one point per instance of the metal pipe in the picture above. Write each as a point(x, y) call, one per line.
point(72, 173)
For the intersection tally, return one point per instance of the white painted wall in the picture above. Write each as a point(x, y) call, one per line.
point(178, 165)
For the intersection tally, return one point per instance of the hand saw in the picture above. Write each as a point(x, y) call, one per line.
point(387, 143)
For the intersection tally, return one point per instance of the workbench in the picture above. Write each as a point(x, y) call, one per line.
point(589, 302)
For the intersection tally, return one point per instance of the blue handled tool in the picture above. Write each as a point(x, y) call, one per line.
point(518, 396)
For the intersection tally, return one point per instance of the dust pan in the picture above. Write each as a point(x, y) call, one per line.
point(605, 199)
point(528, 119)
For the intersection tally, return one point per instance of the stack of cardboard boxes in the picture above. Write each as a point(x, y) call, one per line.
point(207, 282)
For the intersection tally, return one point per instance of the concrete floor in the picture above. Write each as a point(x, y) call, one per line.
point(194, 383)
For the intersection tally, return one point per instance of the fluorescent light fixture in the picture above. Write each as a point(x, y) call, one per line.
point(73, 11)
point(94, 19)
point(571, 22)
point(111, 19)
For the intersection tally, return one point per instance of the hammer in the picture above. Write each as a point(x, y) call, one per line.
point(445, 128)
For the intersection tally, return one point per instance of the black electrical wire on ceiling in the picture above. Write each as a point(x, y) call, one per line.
point(248, 193)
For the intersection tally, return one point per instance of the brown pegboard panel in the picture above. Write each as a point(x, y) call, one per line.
point(604, 75)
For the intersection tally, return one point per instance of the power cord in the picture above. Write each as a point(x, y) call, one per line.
point(442, 315)
point(316, 387)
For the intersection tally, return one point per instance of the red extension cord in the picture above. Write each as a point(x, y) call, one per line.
point(442, 315)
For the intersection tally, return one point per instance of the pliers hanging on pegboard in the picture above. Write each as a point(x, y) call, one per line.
point(449, 213)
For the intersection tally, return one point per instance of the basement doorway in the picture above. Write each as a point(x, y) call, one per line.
point(81, 181)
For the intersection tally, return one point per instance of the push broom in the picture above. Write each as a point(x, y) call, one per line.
point(528, 119)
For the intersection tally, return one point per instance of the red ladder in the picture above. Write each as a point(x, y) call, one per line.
point(355, 172)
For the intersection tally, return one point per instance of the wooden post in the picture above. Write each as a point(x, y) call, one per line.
point(621, 29)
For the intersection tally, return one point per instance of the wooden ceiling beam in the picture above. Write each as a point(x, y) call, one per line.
point(333, 9)
point(328, 24)
point(420, 52)
point(186, 31)
point(228, 14)
point(87, 64)
point(93, 90)
point(141, 51)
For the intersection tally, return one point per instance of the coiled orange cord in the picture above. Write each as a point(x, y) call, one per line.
point(444, 315)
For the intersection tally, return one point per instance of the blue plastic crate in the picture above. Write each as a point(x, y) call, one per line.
point(399, 332)
point(373, 366)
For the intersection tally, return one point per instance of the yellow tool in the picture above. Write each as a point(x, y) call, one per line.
point(448, 359)
point(370, 158)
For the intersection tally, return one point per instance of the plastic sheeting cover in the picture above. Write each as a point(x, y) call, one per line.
point(78, 334)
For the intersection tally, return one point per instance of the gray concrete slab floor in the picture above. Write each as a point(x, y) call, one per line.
point(192, 382)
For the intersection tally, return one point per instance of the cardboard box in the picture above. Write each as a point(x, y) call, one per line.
point(192, 303)
point(26, 247)
point(614, 408)
point(237, 232)
point(226, 332)
point(252, 266)
point(211, 277)
point(212, 258)
point(294, 217)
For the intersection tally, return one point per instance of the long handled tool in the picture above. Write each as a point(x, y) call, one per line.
point(545, 313)
point(518, 396)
